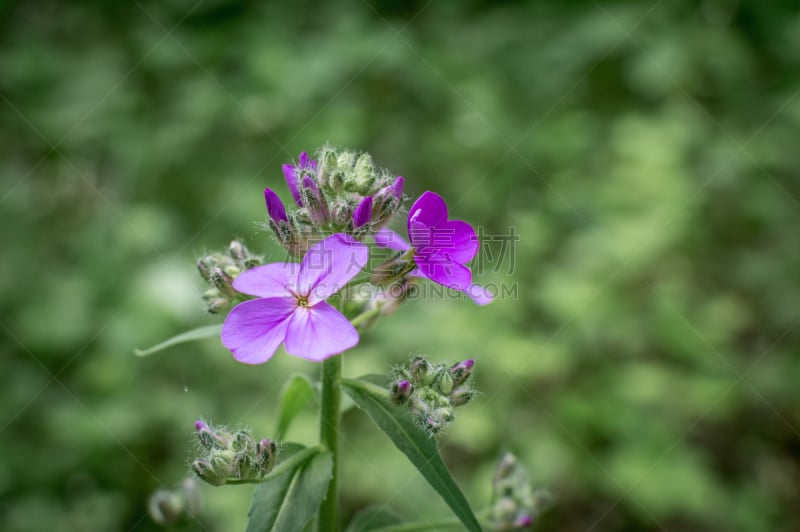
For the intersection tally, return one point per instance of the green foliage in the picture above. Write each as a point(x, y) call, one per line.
point(290, 496)
point(298, 393)
point(645, 153)
point(413, 441)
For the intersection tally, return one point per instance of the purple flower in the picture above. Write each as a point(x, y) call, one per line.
point(293, 173)
point(441, 247)
point(291, 308)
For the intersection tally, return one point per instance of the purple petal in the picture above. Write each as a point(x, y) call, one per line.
point(397, 187)
point(363, 213)
point(429, 209)
point(386, 238)
point(457, 239)
point(445, 272)
point(304, 161)
point(479, 294)
point(329, 265)
point(318, 332)
point(271, 280)
point(454, 240)
point(254, 329)
point(290, 174)
point(275, 208)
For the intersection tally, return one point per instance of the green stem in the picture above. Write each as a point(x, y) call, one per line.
point(361, 318)
point(416, 527)
point(329, 437)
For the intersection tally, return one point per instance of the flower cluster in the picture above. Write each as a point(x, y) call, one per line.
point(515, 505)
point(342, 202)
point(232, 457)
point(219, 270)
point(339, 192)
point(432, 391)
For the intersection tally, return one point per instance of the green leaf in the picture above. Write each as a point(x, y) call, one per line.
point(201, 333)
point(414, 442)
point(290, 496)
point(298, 392)
point(372, 518)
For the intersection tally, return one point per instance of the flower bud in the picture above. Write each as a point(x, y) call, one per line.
point(165, 507)
point(341, 213)
point(327, 166)
point(204, 470)
point(204, 268)
point(364, 173)
point(401, 391)
point(523, 521)
point(346, 160)
point(462, 396)
point(462, 371)
point(215, 301)
point(315, 202)
point(275, 208)
point(419, 369)
point(210, 438)
point(363, 213)
point(243, 442)
point(444, 382)
point(265, 455)
point(238, 252)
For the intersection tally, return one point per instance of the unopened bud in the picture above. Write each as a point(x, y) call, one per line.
point(266, 455)
point(363, 213)
point(216, 302)
point(204, 268)
point(327, 166)
point(204, 470)
point(346, 160)
point(243, 442)
point(315, 202)
point(210, 438)
point(444, 382)
point(419, 369)
point(462, 371)
point(237, 250)
point(364, 173)
point(401, 391)
point(462, 396)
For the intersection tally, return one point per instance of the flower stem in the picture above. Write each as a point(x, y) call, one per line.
point(329, 437)
point(361, 318)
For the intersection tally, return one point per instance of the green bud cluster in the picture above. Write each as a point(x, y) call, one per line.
point(515, 505)
point(219, 270)
point(232, 457)
point(167, 507)
point(432, 391)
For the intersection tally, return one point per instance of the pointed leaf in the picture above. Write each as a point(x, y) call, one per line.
point(288, 499)
point(201, 333)
point(372, 518)
point(297, 393)
point(415, 443)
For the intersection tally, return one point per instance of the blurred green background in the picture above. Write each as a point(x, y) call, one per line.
point(646, 154)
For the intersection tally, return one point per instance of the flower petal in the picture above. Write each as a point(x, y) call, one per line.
point(397, 188)
point(271, 280)
point(318, 332)
point(386, 238)
point(254, 329)
point(457, 239)
point(290, 174)
point(304, 161)
point(445, 272)
point(329, 265)
point(429, 209)
point(479, 294)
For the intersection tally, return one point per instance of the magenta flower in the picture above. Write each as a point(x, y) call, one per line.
point(291, 308)
point(441, 247)
point(293, 175)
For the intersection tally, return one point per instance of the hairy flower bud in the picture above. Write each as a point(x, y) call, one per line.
point(462, 396)
point(444, 382)
point(419, 369)
point(401, 391)
point(364, 173)
point(327, 166)
point(265, 455)
point(208, 473)
point(462, 371)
